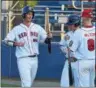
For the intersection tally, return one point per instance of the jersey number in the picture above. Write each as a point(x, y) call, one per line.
point(90, 43)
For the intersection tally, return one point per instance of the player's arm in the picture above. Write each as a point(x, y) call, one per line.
point(13, 43)
point(73, 46)
point(75, 42)
point(10, 39)
point(44, 37)
point(64, 43)
point(48, 39)
point(8, 42)
point(63, 46)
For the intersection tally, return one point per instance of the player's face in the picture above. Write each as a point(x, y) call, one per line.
point(71, 27)
point(84, 20)
point(29, 17)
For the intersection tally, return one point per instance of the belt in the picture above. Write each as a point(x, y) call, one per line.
point(75, 59)
point(32, 55)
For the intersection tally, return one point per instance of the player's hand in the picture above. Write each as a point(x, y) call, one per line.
point(73, 59)
point(19, 43)
point(50, 35)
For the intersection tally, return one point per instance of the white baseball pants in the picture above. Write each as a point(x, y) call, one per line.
point(83, 73)
point(27, 69)
point(65, 75)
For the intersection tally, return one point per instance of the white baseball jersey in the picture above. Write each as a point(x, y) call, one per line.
point(64, 44)
point(83, 44)
point(31, 36)
point(84, 38)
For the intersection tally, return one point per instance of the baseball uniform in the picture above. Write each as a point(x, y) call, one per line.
point(27, 55)
point(83, 44)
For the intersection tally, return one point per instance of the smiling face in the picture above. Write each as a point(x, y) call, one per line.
point(28, 17)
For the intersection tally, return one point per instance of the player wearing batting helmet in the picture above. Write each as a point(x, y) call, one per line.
point(26, 10)
point(87, 18)
point(64, 46)
point(26, 37)
point(74, 20)
point(82, 50)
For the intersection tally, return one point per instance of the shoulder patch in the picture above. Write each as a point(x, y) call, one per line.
point(70, 43)
point(67, 37)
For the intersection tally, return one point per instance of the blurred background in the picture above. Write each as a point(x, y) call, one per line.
point(50, 65)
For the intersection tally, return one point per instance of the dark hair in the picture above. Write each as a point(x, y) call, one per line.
point(24, 15)
point(78, 24)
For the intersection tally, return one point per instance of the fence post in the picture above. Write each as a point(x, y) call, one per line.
point(62, 25)
point(3, 28)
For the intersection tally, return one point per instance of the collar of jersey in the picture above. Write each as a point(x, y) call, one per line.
point(88, 29)
point(26, 26)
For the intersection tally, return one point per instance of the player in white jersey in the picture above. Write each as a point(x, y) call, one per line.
point(82, 50)
point(64, 44)
point(26, 38)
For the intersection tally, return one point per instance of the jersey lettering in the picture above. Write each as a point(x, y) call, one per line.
point(24, 34)
point(34, 34)
point(90, 34)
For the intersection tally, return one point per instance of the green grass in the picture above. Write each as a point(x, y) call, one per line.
point(8, 85)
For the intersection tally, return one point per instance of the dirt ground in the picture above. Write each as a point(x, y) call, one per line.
point(37, 83)
point(15, 82)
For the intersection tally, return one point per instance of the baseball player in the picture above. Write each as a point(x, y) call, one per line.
point(26, 37)
point(65, 73)
point(64, 45)
point(82, 49)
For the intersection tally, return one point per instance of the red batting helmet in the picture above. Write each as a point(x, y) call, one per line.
point(87, 13)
